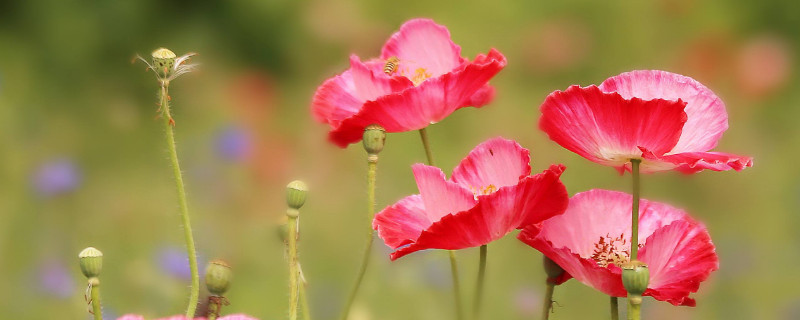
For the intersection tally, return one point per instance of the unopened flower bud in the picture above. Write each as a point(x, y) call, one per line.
point(163, 59)
point(552, 269)
point(91, 261)
point(283, 232)
point(218, 277)
point(374, 138)
point(635, 278)
point(296, 194)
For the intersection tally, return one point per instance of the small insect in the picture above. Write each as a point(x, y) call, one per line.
point(391, 65)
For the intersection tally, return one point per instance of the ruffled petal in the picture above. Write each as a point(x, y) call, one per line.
point(608, 129)
point(497, 162)
point(679, 256)
point(370, 85)
point(402, 222)
point(237, 317)
point(131, 317)
point(707, 118)
point(336, 99)
point(441, 197)
point(416, 108)
point(605, 279)
point(535, 199)
point(424, 44)
point(692, 162)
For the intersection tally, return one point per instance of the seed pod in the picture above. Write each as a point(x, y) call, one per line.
point(374, 139)
point(218, 277)
point(91, 261)
point(296, 194)
point(635, 277)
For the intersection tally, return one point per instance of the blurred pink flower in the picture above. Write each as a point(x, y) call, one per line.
point(490, 193)
point(668, 120)
point(430, 80)
point(763, 65)
point(590, 241)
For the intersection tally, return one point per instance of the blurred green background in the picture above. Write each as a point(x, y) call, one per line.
point(83, 162)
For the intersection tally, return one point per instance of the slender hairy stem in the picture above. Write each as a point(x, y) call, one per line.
point(372, 162)
point(456, 286)
point(423, 134)
point(634, 309)
point(476, 306)
point(547, 306)
point(294, 273)
point(187, 227)
point(213, 309)
point(614, 308)
point(95, 294)
point(304, 299)
point(635, 209)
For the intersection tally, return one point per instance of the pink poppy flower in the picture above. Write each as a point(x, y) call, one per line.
point(490, 193)
point(428, 80)
point(668, 120)
point(590, 241)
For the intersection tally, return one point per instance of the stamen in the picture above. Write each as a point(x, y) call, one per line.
point(482, 191)
point(612, 250)
point(420, 75)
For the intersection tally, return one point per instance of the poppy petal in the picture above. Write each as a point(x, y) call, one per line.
point(608, 129)
point(425, 44)
point(441, 197)
point(707, 118)
point(692, 162)
point(402, 222)
point(497, 162)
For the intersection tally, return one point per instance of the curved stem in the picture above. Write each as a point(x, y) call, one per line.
point(294, 273)
point(456, 286)
point(423, 133)
point(372, 169)
point(635, 209)
point(95, 294)
point(476, 306)
point(547, 306)
point(187, 227)
point(614, 308)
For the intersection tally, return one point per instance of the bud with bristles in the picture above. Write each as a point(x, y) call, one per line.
point(163, 59)
point(296, 194)
point(635, 278)
point(374, 138)
point(218, 277)
point(91, 261)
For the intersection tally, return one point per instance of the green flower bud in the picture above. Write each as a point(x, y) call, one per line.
point(163, 59)
point(91, 261)
point(635, 277)
point(552, 269)
point(296, 194)
point(218, 277)
point(374, 138)
point(283, 232)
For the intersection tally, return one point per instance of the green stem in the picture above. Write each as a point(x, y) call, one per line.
point(476, 307)
point(547, 306)
point(213, 309)
point(303, 299)
point(294, 273)
point(423, 133)
point(635, 209)
point(614, 308)
point(187, 227)
point(372, 162)
point(456, 286)
point(95, 294)
point(634, 308)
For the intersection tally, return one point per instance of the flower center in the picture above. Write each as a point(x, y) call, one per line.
point(482, 191)
point(612, 250)
point(420, 75)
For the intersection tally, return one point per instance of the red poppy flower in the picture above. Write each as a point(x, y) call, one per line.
point(427, 80)
point(490, 193)
point(590, 241)
point(229, 317)
point(668, 120)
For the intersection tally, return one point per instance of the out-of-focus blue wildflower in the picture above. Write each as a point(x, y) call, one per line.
point(56, 177)
point(55, 279)
point(233, 143)
point(174, 261)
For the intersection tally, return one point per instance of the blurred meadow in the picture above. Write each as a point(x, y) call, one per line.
point(84, 163)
